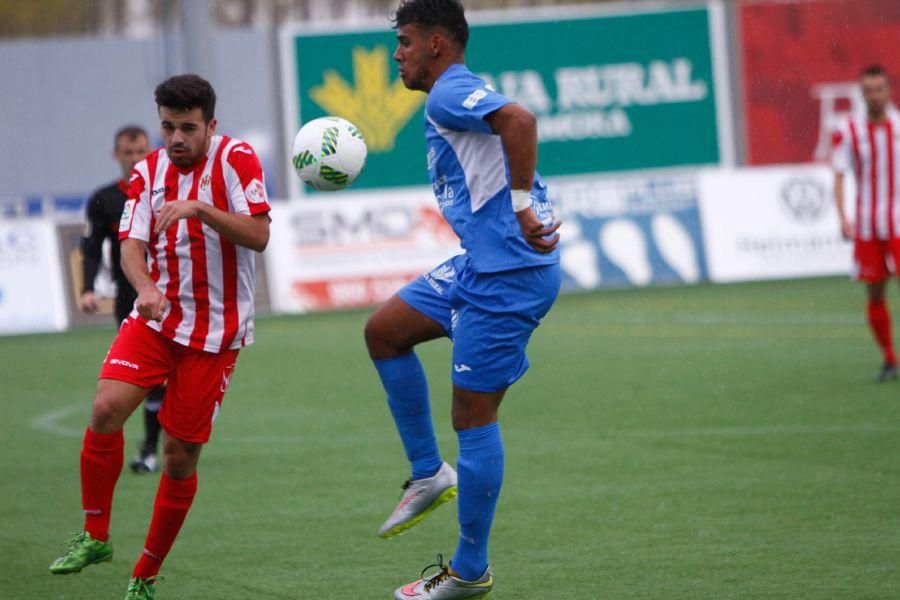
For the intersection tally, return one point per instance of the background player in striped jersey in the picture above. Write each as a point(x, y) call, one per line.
point(104, 211)
point(196, 212)
point(868, 145)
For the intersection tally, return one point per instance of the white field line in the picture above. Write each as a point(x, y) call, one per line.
point(49, 422)
point(713, 318)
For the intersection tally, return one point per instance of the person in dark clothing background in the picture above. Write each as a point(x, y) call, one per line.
point(104, 210)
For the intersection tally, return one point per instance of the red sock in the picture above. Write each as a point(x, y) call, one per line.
point(173, 500)
point(880, 322)
point(102, 456)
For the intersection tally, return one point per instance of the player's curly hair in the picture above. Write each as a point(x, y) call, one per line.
point(187, 92)
point(428, 14)
point(873, 70)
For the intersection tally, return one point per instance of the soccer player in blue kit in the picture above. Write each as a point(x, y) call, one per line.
point(481, 155)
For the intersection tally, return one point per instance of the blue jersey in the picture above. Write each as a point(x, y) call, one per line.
point(470, 175)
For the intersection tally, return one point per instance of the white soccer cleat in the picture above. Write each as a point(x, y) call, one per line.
point(445, 585)
point(420, 497)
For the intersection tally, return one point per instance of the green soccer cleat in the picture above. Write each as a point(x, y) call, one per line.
point(141, 589)
point(83, 551)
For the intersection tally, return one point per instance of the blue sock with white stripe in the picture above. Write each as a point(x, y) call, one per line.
point(407, 393)
point(480, 476)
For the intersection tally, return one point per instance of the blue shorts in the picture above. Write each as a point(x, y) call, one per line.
point(489, 317)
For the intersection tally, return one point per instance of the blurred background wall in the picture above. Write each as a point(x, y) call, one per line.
point(684, 140)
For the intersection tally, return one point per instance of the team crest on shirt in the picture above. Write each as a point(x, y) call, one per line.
point(127, 214)
point(204, 183)
point(255, 192)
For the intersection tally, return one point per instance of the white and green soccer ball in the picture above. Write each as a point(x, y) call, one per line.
point(329, 153)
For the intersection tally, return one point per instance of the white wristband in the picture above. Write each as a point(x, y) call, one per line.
point(521, 199)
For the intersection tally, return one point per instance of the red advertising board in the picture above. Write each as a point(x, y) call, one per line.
point(800, 66)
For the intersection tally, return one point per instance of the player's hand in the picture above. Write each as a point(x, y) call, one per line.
point(89, 303)
point(151, 304)
point(536, 233)
point(176, 210)
point(847, 229)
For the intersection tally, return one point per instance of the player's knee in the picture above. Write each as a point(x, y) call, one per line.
point(378, 338)
point(178, 468)
point(107, 414)
point(180, 458)
point(876, 291)
point(465, 418)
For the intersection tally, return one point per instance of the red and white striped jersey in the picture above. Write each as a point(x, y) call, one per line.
point(872, 152)
point(207, 280)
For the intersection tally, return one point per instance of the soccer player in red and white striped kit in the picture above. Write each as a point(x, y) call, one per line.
point(196, 214)
point(868, 145)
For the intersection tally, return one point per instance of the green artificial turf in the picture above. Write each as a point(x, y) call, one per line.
point(699, 442)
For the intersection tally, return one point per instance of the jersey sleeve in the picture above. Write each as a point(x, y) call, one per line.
point(137, 214)
point(841, 149)
point(462, 105)
point(95, 232)
point(246, 182)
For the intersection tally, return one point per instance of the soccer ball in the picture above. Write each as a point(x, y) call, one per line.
point(329, 153)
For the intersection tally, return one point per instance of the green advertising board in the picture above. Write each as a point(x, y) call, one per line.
point(611, 93)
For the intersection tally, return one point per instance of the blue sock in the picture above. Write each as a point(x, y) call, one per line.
point(480, 476)
point(407, 393)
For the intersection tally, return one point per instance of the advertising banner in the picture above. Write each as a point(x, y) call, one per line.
point(31, 290)
point(633, 231)
point(326, 254)
point(800, 71)
point(623, 92)
point(770, 223)
point(71, 260)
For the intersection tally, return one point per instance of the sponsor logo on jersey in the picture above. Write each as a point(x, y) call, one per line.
point(124, 363)
point(379, 107)
point(159, 191)
point(127, 214)
point(204, 183)
point(474, 98)
point(255, 192)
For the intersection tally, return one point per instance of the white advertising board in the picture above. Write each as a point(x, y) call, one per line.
point(356, 250)
point(31, 290)
point(771, 223)
point(629, 230)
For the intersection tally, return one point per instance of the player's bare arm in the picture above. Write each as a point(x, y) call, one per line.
point(517, 128)
point(846, 225)
point(244, 230)
point(150, 303)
